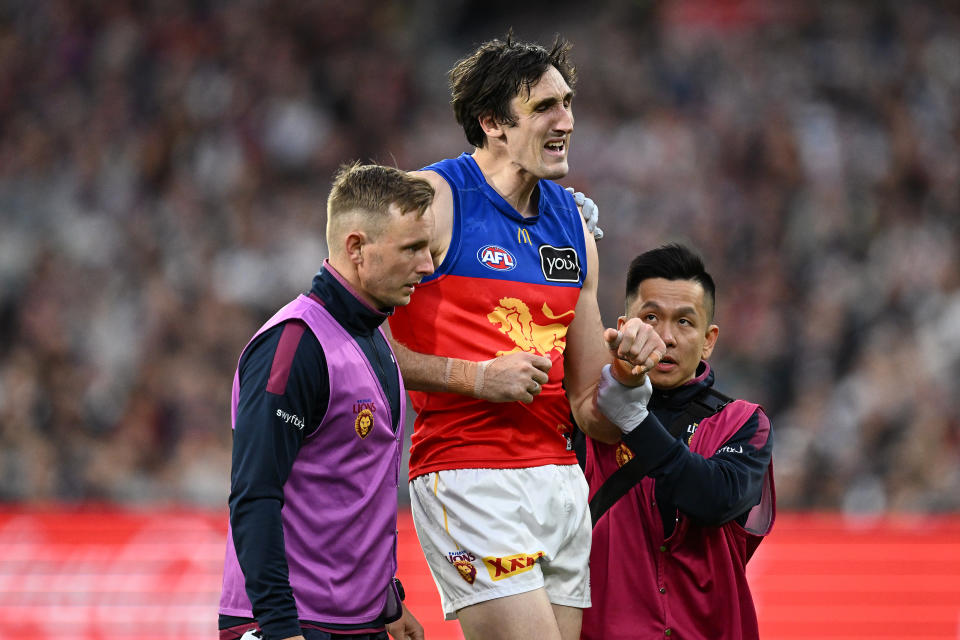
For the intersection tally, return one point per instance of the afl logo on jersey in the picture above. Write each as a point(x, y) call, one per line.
point(496, 258)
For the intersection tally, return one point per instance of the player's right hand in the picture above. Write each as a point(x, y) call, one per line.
point(515, 377)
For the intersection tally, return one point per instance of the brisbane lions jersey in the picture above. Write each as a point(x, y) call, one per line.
point(507, 284)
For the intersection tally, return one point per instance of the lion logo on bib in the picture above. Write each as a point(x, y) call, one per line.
point(364, 423)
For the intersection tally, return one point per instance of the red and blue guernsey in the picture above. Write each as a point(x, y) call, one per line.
point(507, 284)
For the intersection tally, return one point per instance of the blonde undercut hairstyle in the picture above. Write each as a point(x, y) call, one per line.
point(367, 191)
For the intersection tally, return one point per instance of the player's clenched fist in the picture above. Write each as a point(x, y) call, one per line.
point(514, 376)
point(636, 349)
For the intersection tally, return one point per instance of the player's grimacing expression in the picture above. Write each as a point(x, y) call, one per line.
point(678, 311)
point(396, 258)
point(540, 141)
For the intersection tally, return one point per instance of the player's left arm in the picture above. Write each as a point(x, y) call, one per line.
point(587, 352)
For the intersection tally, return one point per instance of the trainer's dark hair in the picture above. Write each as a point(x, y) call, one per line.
point(671, 262)
point(487, 80)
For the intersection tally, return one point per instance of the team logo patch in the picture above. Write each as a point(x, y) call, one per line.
point(559, 264)
point(462, 561)
point(466, 570)
point(364, 423)
point(510, 566)
point(497, 258)
point(691, 429)
point(624, 455)
point(513, 318)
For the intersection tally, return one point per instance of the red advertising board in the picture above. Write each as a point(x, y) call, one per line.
point(103, 573)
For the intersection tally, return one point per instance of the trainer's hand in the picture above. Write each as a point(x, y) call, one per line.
point(406, 628)
point(636, 349)
point(515, 377)
point(589, 211)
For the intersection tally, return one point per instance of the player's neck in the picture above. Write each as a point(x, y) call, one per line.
point(515, 185)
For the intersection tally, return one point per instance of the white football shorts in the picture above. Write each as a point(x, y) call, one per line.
point(491, 533)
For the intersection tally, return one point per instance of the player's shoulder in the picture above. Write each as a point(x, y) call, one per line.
point(442, 189)
point(442, 209)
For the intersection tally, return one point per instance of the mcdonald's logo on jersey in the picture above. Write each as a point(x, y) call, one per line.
point(496, 258)
point(523, 236)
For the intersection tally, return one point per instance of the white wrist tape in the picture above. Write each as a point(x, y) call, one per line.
point(624, 406)
point(478, 381)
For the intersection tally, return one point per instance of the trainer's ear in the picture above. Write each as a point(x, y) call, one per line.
point(713, 331)
point(353, 244)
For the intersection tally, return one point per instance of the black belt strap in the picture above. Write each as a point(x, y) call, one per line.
point(705, 404)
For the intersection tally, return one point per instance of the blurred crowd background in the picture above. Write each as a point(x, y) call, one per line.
point(164, 166)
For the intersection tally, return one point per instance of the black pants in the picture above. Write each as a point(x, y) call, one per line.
point(235, 633)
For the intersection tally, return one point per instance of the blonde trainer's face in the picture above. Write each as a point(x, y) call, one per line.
point(394, 263)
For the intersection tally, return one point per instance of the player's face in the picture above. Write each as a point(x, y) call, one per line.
point(676, 309)
point(395, 262)
point(540, 141)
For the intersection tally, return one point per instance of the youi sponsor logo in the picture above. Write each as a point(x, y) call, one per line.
point(559, 264)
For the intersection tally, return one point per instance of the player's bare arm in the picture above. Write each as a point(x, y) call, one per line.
point(509, 378)
point(589, 348)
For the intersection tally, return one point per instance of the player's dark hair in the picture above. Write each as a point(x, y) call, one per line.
point(487, 80)
point(671, 262)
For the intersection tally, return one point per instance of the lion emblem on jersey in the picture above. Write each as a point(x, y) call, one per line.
point(624, 455)
point(466, 569)
point(513, 318)
point(364, 423)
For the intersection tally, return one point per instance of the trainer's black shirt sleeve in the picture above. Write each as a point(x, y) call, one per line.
point(710, 491)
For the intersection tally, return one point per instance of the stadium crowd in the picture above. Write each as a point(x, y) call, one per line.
point(164, 167)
